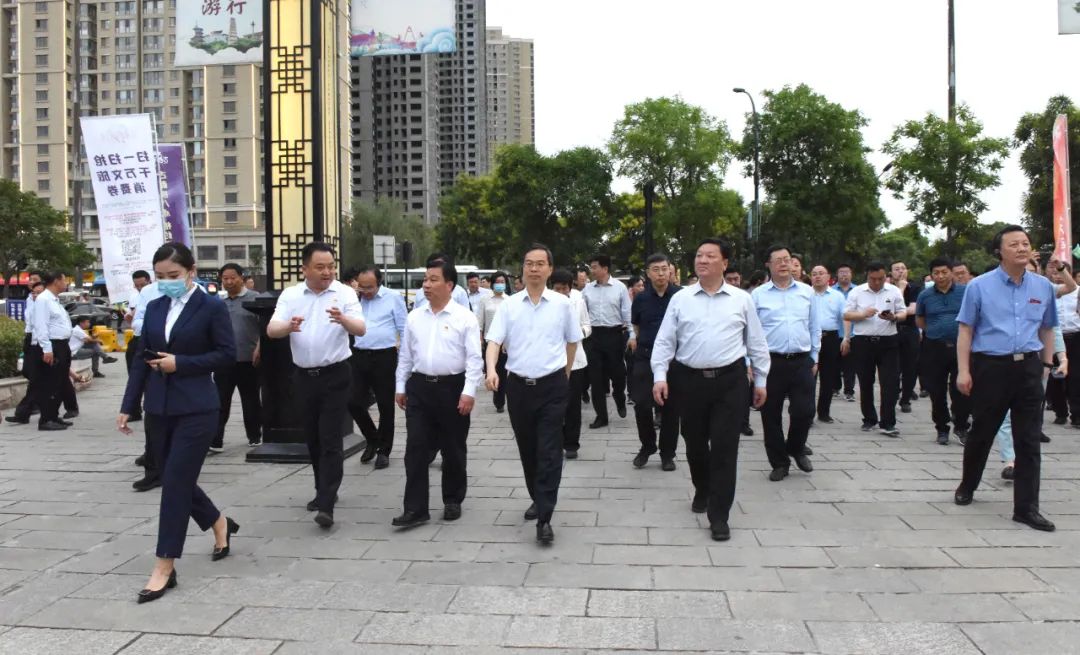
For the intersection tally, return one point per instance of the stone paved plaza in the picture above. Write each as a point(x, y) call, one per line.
point(866, 555)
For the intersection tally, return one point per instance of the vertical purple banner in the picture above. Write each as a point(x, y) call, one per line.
point(174, 192)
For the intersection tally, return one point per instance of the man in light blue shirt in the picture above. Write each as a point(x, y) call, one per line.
point(374, 361)
point(830, 312)
point(845, 377)
point(1006, 338)
point(789, 317)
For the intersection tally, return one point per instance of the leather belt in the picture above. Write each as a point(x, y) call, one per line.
point(1015, 357)
point(435, 379)
point(790, 355)
point(319, 370)
point(532, 382)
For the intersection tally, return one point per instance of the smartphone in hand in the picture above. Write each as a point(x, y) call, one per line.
point(150, 355)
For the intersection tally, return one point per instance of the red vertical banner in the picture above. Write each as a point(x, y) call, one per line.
point(1062, 200)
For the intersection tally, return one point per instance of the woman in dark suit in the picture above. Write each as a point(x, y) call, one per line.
point(186, 335)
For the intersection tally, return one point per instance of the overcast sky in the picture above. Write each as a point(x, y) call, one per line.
point(887, 58)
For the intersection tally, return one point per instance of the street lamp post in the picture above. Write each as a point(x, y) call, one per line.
point(756, 216)
point(649, 191)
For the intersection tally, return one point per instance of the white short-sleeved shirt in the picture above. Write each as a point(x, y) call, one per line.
point(861, 298)
point(535, 335)
point(319, 342)
point(446, 343)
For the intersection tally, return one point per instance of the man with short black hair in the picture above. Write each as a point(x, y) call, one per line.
point(541, 334)
point(436, 379)
point(646, 315)
point(242, 374)
point(874, 309)
point(31, 353)
point(373, 362)
point(561, 282)
point(1004, 347)
point(460, 296)
point(319, 315)
point(709, 330)
point(830, 309)
point(476, 292)
point(935, 313)
point(844, 379)
point(733, 277)
point(609, 311)
point(961, 273)
point(52, 331)
point(786, 308)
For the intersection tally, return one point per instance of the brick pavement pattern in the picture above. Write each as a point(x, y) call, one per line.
point(867, 555)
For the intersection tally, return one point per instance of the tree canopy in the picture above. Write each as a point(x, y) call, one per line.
point(1034, 140)
point(34, 235)
point(385, 217)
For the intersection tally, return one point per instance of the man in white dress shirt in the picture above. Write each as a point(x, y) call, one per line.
point(52, 331)
point(709, 330)
point(540, 332)
point(31, 354)
point(874, 308)
point(562, 281)
point(439, 368)
point(608, 302)
point(319, 315)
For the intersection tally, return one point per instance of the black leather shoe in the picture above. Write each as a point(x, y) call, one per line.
point(1008, 473)
point(943, 438)
point(803, 462)
point(868, 427)
point(621, 409)
point(500, 410)
point(52, 426)
point(16, 420)
point(381, 461)
point(544, 534)
point(369, 454)
point(720, 531)
point(598, 423)
point(147, 595)
point(140, 460)
point(231, 528)
point(451, 512)
point(642, 458)
point(826, 419)
point(778, 474)
point(747, 431)
point(1035, 520)
point(905, 408)
point(412, 519)
point(667, 463)
point(313, 504)
point(71, 414)
point(66, 424)
point(531, 513)
point(325, 519)
point(571, 454)
point(146, 484)
point(700, 504)
point(1061, 420)
point(1043, 438)
point(807, 450)
point(962, 497)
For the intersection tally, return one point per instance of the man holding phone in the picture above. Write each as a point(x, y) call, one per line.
point(874, 308)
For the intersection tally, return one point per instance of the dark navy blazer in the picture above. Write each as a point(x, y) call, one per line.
point(202, 341)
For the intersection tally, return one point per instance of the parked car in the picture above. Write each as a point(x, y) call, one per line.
point(99, 314)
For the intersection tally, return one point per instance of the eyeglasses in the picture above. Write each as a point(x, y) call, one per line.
point(535, 264)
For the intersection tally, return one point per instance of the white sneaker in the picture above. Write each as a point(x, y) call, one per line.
point(216, 450)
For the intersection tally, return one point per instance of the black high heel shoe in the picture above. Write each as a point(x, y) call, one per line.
point(231, 528)
point(147, 595)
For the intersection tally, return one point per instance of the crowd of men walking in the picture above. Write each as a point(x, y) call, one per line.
point(692, 359)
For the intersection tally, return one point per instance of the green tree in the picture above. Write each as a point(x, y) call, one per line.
point(904, 244)
point(1033, 136)
point(33, 234)
point(469, 230)
point(385, 217)
point(823, 191)
point(941, 169)
point(685, 152)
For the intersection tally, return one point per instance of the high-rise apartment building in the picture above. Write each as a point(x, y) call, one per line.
point(511, 110)
point(124, 65)
point(419, 121)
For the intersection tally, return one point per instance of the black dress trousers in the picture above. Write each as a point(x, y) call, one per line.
point(537, 410)
point(432, 422)
point(323, 398)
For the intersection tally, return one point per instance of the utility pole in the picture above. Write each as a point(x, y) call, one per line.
point(76, 135)
point(755, 222)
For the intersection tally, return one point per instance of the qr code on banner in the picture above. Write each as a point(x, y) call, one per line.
point(130, 247)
